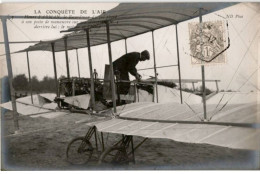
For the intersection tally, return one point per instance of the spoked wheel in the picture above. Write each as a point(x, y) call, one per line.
point(114, 156)
point(79, 151)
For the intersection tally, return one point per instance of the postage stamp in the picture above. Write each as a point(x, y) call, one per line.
point(209, 44)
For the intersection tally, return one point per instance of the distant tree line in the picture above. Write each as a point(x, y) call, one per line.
point(21, 83)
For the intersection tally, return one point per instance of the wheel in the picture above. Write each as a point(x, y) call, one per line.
point(79, 151)
point(114, 156)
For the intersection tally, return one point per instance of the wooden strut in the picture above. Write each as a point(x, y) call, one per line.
point(155, 71)
point(202, 69)
point(133, 150)
point(96, 137)
point(73, 87)
point(67, 57)
point(92, 88)
point(135, 91)
point(117, 91)
point(137, 94)
point(29, 74)
point(193, 86)
point(55, 69)
point(10, 74)
point(125, 46)
point(90, 132)
point(118, 80)
point(102, 140)
point(136, 147)
point(217, 85)
point(78, 61)
point(179, 66)
point(118, 142)
point(111, 68)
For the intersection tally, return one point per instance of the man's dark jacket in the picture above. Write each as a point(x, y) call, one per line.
point(127, 63)
point(123, 65)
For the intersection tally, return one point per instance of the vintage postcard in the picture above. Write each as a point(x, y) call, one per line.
point(144, 86)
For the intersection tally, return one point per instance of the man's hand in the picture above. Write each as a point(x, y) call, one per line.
point(138, 77)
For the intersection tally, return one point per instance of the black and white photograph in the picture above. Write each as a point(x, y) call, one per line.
point(130, 86)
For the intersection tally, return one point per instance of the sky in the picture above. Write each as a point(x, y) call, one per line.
point(239, 72)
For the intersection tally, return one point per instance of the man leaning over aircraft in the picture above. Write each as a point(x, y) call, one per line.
point(126, 64)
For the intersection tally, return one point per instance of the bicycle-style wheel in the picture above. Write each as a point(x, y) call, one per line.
point(114, 156)
point(79, 151)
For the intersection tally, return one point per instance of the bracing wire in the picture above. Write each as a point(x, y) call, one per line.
point(239, 88)
point(219, 54)
point(177, 94)
point(234, 73)
point(214, 113)
point(186, 104)
point(107, 139)
point(237, 66)
point(31, 39)
point(238, 35)
point(160, 42)
point(241, 75)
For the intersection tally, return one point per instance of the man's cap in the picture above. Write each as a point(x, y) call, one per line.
point(146, 54)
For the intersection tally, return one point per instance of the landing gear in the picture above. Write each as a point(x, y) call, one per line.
point(114, 156)
point(117, 154)
point(79, 151)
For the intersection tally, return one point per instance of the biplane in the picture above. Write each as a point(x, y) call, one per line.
point(168, 112)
